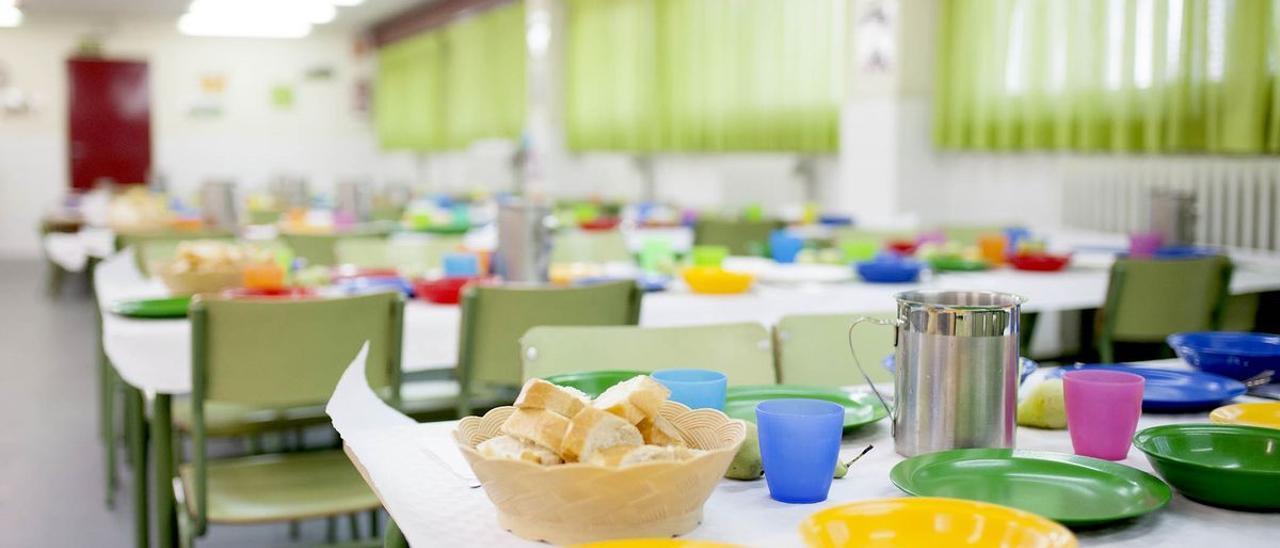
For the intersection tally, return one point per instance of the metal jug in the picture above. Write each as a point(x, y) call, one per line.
point(218, 205)
point(956, 374)
point(524, 241)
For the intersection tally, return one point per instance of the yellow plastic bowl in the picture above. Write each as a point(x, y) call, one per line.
point(715, 281)
point(1253, 414)
point(924, 521)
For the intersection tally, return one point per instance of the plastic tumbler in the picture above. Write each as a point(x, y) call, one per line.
point(994, 247)
point(461, 265)
point(784, 247)
point(1102, 411)
point(709, 255)
point(1144, 244)
point(799, 445)
point(696, 388)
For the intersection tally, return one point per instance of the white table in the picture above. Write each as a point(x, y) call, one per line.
point(423, 483)
point(154, 355)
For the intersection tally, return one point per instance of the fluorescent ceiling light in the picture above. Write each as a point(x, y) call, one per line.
point(241, 27)
point(257, 18)
point(10, 16)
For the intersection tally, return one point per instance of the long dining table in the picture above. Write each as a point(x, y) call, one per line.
point(153, 357)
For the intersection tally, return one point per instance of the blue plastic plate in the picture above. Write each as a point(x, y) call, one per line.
point(1172, 391)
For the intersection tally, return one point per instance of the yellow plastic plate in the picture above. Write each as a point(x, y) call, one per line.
point(1253, 414)
point(925, 521)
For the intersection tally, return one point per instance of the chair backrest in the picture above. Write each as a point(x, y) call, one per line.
point(813, 349)
point(741, 237)
point(414, 256)
point(1148, 300)
point(287, 353)
point(843, 236)
point(494, 318)
point(581, 246)
point(742, 351)
point(317, 249)
point(969, 234)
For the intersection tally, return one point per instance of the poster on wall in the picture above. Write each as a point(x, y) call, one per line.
point(209, 98)
point(282, 97)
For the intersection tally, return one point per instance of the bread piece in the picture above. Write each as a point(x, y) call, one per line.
point(592, 430)
point(624, 455)
point(634, 399)
point(538, 426)
point(660, 431)
point(540, 394)
point(507, 447)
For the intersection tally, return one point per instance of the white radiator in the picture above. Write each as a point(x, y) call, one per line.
point(1237, 199)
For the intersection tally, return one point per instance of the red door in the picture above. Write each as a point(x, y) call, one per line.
point(109, 112)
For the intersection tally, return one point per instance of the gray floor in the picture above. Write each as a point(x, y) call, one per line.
point(51, 465)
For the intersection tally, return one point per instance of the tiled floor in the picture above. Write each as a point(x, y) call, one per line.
point(51, 465)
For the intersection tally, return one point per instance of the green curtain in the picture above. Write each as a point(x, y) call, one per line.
point(449, 87)
point(1109, 75)
point(705, 75)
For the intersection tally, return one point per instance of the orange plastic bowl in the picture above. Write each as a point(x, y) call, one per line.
point(716, 281)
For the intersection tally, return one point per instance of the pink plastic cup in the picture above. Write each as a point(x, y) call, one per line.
point(1102, 411)
point(1143, 245)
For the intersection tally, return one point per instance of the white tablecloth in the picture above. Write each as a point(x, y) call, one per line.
point(72, 251)
point(424, 484)
point(155, 354)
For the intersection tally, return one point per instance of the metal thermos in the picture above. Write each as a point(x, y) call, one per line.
point(524, 241)
point(1173, 216)
point(218, 206)
point(956, 373)
point(355, 198)
point(290, 192)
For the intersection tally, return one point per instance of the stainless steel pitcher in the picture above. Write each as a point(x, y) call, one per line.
point(524, 241)
point(956, 374)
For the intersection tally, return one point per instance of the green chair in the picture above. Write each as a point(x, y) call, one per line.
point(263, 216)
point(495, 317)
point(813, 349)
point(742, 351)
point(320, 249)
point(1148, 300)
point(414, 256)
point(741, 237)
point(969, 234)
point(582, 246)
point(280, 355)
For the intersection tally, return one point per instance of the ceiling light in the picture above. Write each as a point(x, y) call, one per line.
point(241, 27)
point(10, 16)
point(346, 3)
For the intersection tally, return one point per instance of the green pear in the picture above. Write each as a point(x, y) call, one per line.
point(746, 464)
point(842, 468)
point(1044, 407)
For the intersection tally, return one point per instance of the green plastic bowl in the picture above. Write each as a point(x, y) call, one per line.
point(1220, 465)
point(593, 383)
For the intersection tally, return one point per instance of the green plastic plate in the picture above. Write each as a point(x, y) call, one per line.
point(859, 409)
point(593, 383)
point(1222, 465)
point(1073, 490)
point(175, 307)
point(949, 264)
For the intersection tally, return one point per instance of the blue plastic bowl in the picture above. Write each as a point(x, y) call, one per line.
point(1186, 252)
point(1026, 366)
point(889, 272)
point(1232, 354)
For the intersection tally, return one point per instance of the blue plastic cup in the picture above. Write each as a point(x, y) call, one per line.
point(799, 445)
point(696, 388)
point(784, 247)
point(461, 265)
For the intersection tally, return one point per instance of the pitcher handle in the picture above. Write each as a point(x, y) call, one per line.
point(893, 418)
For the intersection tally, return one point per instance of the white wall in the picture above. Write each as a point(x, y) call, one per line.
point(321, 137)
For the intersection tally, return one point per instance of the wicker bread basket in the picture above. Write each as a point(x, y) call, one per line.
point(578, 502)
point(190, 283)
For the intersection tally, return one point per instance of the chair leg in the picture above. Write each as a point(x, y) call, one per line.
point(54, 280)
point(295, 531)
point(353, 522)
point(331, 530)
point(108, 425)
point(374, 530)
point(137, 434)
point(162, 445)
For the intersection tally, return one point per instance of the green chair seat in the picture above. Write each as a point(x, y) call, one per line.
point(272, 488)
point(232, 419)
